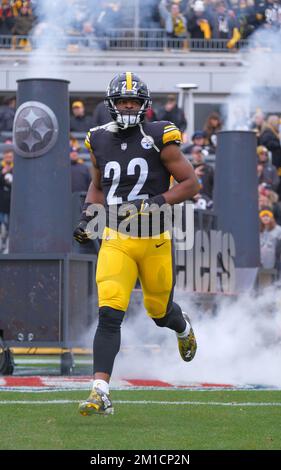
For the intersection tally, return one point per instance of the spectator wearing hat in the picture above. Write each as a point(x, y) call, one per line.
point(267, 173)
point(204, 173)
point(80, 175)
point(270, 239)
point(197, 21)
point(79, 122)
point(268, 197)
point(198, 139)
point(171, 112)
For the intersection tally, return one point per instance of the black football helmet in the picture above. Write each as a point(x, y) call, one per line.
point(127, 85)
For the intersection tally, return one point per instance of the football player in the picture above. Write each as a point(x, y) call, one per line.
point(133, 162)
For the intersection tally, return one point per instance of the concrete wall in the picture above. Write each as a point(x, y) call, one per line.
point(213, 73)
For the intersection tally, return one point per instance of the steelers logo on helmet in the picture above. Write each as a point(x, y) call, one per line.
point(127, 85)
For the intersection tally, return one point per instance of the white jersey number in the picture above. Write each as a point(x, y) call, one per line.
point(131, 170)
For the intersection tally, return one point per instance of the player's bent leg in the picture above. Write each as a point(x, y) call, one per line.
point(179, 321)
point(172, 319)
point(158, 279)
point(106, 346)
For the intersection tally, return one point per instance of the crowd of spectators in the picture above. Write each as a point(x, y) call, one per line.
point(180, 20)
point(16, 19)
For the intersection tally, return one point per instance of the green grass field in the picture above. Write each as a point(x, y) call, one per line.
point(210, 421)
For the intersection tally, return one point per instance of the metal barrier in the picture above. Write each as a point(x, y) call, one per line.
point(122, 39)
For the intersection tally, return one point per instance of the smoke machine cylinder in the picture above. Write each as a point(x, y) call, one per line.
point(236, 194)
point(40, 218)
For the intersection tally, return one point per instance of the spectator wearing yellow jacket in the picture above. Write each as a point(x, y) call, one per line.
point(174, 23)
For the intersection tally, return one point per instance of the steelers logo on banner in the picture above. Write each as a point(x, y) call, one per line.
point(35, 129)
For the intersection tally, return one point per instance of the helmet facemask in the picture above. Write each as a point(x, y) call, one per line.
point(127, 118)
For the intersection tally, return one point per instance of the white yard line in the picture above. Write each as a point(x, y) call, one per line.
point(128, 388)
point(141, 402)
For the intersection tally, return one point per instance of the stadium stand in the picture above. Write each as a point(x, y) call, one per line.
point(194, 25)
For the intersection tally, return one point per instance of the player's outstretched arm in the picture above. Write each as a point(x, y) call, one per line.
point(94, 196)
point(183, 172)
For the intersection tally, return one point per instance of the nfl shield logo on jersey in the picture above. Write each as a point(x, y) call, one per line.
point(147, 142)
point(124, 146)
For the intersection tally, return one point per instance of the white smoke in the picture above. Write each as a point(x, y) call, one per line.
point(53, 21)
point(259, 87)
point(240, 344)
point(74, 26)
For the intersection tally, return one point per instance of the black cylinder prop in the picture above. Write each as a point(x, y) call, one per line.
point(40, 219)
point(236, 194)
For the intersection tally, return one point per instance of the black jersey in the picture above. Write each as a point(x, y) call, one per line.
point(129, 160)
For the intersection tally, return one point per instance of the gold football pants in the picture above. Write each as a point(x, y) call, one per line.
point(121, 261)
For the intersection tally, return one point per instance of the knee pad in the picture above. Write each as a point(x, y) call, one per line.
point(158, 279)
point(108, 289)
point(155, 307)
point(111, 293)
point(110, 318)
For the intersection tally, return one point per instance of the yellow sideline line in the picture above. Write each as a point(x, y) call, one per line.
point(49, 351)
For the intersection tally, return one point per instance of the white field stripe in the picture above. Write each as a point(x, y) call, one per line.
point(128, 388)
point(140, 402)
point(37, 402)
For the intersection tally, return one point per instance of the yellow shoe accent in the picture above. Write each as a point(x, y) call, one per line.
point(97, 403)
point(187, 346)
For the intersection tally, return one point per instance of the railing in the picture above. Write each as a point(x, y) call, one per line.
point(121, 39)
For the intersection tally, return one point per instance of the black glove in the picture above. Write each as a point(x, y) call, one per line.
point(81, 234)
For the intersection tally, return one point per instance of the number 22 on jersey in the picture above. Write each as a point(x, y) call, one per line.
point(112, 170)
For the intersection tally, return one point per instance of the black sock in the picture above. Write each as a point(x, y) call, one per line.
point(173, 319)
point(107, 339)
